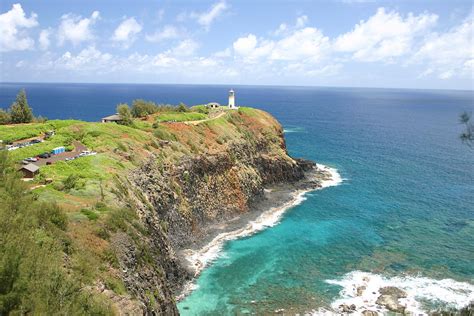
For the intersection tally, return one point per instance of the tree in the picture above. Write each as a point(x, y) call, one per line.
point(467, 136)
point(20, 111)
point(124, 111)
point(182, 107)
point(142, 108)
point(5, 117)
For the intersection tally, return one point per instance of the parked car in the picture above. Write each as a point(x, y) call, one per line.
point(31, 159)
point(70, 158)
point(49, 163)
point(36, 141)
point(44, 155)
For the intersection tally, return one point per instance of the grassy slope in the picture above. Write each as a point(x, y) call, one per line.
point(120, 149)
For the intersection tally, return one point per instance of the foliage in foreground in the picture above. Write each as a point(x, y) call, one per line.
point(467, 136)
point(33, 244)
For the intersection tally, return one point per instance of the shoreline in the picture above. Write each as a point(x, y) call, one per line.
point(261, 217)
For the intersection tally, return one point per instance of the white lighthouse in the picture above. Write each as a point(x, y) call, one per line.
point(232, 99)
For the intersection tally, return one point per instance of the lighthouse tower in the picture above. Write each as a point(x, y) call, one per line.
point(232, 99)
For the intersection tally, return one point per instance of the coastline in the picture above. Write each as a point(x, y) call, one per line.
point(262, 216)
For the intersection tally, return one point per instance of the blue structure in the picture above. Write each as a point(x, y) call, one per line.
point(58, 150)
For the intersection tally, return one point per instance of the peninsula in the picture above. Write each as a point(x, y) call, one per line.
point(114, 210)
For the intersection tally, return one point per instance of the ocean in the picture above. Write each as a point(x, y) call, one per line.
point(403, 214)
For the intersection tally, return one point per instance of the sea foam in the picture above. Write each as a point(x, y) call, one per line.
point(447, 292)
point(199, 259)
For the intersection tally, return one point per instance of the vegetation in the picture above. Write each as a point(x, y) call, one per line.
point(34, 242)
point(180, 117)
point(182, 107)
point(19, 111)
point(66, 223)
point(124, 111)
point(467, 136)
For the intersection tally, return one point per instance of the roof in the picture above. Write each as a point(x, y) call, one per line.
point(231, 90)
point(114, 117)
point(30, 167)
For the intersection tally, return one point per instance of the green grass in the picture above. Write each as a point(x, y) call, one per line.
point(181, 117)
point(10, 133)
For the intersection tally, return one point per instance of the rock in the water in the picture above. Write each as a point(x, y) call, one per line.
point(369, 313)
point(360, 290)
point(391, 303)
point(393, 291)
point(346, 308)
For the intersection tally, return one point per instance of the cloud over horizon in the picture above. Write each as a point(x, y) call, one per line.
point(299, 49)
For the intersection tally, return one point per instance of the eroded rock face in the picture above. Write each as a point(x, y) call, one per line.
point(178, 202)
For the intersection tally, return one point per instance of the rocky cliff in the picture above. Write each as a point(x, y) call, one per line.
point(178, 200)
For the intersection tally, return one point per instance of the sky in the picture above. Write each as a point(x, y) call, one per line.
point(350, 43)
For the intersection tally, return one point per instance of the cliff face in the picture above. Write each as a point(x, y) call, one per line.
point(177, 202)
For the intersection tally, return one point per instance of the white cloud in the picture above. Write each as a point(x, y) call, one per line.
point(301, 21)
point(451, 53)
point(185, 48)
point(245, 45)
point(75, 29)
point(88, 59)
point(168, 32)
point(12, 29)
point(206, 18)
point(305, 44)
point(43, 39)
point(384, 36)
point(126, 32)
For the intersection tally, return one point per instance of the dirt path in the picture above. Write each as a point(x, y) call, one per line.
point(205, 120)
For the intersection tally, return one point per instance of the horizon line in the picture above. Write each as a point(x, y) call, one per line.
point(232, 85)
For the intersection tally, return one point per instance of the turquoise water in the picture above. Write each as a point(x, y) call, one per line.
point(405, 207)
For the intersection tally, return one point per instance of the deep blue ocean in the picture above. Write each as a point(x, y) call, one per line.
point(404, 213)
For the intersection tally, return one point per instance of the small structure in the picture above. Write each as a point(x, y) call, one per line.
point(213, 105)
point(30, 170)
point(58, 150)
point(115, 118)
point(232, 100)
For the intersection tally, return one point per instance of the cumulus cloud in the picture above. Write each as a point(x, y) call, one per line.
point(87, 59)
point(126, 32)
point(207, 18)
point(304, 44)
point(449, 54)
point(185, 48)
point(76, 29)
point(166, 33)
point(13, 24)
point(384, 36)
point(44, 40)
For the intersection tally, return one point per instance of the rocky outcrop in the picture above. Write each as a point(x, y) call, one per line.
point(389, 298)
point(177, 202)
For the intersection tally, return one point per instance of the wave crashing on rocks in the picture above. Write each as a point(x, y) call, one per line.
point(365, 293)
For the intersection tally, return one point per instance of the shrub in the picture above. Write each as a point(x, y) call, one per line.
point(91, 215)
point(70, 182)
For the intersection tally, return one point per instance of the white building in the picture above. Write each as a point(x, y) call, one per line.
point(232, 100)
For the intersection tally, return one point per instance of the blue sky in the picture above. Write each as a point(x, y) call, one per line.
point(360, 43)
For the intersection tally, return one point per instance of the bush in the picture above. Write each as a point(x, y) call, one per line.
point(164, 135)
point(182, 107)
point(70, 182)
point(91, 215)
point(142, 108)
